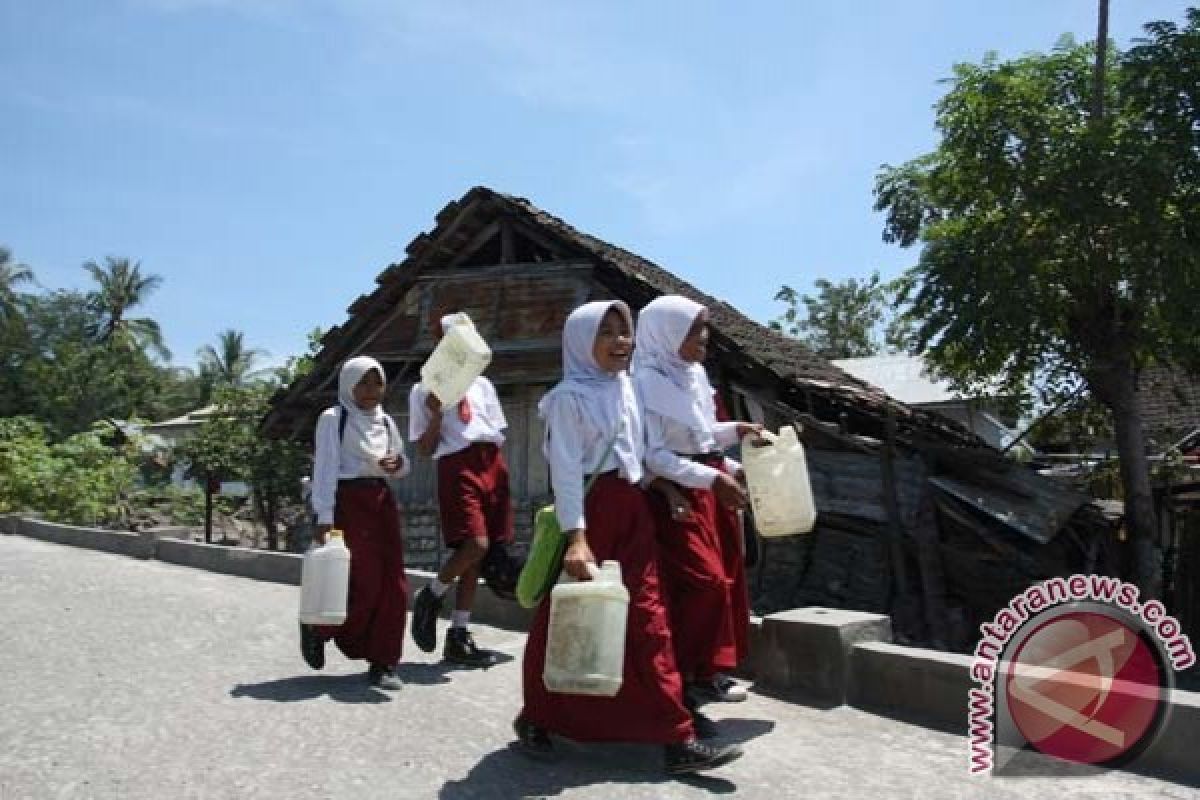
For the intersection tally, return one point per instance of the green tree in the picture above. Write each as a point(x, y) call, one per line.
point(13, 333)
point(231, 363)
point(12, 275)
point(229, 446)
point(85, 479)
point(839, 321)
point(123, 287)
point(61, 375)
point(297, 367)
point(1059, 244)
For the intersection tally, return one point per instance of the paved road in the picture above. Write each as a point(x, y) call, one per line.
point(136, 679)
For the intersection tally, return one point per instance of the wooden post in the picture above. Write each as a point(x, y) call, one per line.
point(901, 604)
point(208, 507)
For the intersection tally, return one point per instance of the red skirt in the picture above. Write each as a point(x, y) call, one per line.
point(649, 707)
point(374, 628)
point(733, 555)
point(696, 584)
point(473, 495)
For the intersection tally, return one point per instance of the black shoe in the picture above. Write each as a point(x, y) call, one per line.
point(426, 606)
point(461, 649)
point(706, 727)
point(312, 646)
point(382, 677)
point(532, 740)
point(695, 756)
point(719, 689)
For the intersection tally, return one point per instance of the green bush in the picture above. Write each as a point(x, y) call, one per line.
point(182, 506)
point(84, 480)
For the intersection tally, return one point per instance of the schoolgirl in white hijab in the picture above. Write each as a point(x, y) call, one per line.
point(703, 575)
point(357, 449)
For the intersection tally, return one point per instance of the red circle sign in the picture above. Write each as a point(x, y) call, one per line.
point(1084, 687)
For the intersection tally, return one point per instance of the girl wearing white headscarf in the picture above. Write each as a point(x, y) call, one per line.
point(594, 426)
point(474, 504)
point(702, 568)
point(358, 449)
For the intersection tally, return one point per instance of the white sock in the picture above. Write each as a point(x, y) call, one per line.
point(437, 587)
point(459, 619)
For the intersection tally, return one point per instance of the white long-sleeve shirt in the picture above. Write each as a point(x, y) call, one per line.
point(574, 447)
point(666, 438)
point(336, 459)
point(487, 419)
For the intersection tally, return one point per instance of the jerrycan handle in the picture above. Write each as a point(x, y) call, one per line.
point(765, 435)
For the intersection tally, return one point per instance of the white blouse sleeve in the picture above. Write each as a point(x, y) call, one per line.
point(495, 412)
point(418, 413)
point(326, 464)
point(663, 461)
point(565, 452)
point(726, 434)
point(397, 448)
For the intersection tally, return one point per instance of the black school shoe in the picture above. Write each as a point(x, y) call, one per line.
point(312, 646)
point(705, 726)
point(382, 677)
point(426, 607)
point(461, 649)
point(533, 741)
point(695, 756)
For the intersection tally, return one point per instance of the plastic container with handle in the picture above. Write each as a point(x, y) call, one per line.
point(777, 477)
point(325, 582)
point(585, 646)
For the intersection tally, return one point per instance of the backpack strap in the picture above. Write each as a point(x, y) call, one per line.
point(596, 472)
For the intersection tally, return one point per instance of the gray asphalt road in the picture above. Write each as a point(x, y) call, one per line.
point(131, 679)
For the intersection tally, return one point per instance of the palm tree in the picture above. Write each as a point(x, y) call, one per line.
point(12, 275)
point(123, 287)
point(230, 363)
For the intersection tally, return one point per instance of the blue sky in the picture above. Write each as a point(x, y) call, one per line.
point(268, 158)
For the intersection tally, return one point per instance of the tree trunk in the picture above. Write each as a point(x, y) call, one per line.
point(1116, 387)
point(208, 507)
point(269, 521)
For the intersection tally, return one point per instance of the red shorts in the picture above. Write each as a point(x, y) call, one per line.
point(473, 495)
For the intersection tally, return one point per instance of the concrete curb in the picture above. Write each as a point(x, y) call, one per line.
point(820, 656)
point(927, 687)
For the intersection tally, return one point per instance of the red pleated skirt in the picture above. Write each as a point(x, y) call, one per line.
point(697, 585)
point(375, 614)
point(649, 707)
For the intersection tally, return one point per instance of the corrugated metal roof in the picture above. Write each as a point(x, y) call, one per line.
point(906, 378)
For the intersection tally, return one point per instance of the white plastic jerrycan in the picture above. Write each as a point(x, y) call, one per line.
point(777, 477)
point(325, 582)
point(459, 358)
point(585, 648)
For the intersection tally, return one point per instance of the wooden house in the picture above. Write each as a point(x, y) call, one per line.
point(917, 516)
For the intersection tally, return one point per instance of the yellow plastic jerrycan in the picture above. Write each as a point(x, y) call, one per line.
point(325, 582)
point(459, 358)
point(777, 477)
point(585, 647)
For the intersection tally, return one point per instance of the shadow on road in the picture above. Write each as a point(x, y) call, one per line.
point(342, 688)
point(741, 730)
point(420, 674)
point(508, 773)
